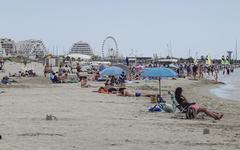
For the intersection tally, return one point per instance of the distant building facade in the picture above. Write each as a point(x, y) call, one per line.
point(81, 48)
point(31, 48)
point(8, 46)
point(140, 60)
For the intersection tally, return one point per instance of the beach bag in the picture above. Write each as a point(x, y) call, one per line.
point(137, 93)
point(191, 113)
point(155, 108)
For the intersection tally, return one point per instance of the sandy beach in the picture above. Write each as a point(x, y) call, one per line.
point(88, 120)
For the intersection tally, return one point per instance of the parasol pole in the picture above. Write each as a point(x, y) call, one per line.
point(159, 86)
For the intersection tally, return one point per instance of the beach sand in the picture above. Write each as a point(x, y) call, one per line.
point(88, 120)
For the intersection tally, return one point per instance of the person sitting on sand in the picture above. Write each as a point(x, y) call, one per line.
point(84, 82)
point(107, 82)
point(96, 76)
point(112, 80)
point(47, 69)
point(62, 78)
point(185, 104)
point(5, 80)
point(54, 78)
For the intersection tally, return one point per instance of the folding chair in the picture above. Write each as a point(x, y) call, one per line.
point(175, 104)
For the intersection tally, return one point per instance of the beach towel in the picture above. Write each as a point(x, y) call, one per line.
point(72, 81)
point(103, 91)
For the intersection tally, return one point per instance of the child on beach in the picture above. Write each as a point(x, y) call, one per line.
point(184, 103)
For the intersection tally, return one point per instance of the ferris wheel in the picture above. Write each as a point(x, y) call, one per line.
point(109, 47)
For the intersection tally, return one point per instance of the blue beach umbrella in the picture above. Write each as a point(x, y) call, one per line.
point(161, 72)
point(112, 71)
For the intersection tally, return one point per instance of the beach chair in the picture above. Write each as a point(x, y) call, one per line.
point(190, 113)
point(175, 104)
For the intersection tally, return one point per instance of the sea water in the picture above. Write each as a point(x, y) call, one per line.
point(231, 89)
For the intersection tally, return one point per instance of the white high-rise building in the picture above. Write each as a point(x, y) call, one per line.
point(31, 48)
point(8, 46)
point(81, 48)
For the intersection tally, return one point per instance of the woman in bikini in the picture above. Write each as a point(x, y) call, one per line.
point(185, 104)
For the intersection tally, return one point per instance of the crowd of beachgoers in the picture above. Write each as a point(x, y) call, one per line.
point(65, 91)
point(117, 84)
point(194, 71)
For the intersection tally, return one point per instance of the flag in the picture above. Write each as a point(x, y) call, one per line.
point(208, 60)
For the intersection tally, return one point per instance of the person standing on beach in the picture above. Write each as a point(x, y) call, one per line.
point(45, 71)
point(78, 68)
point(224, 68)
point(200, 70)
point(25, 62)
point(188, 70)
point(228, 71)
point(194, 69)
point(1, 64)
point(216, 75)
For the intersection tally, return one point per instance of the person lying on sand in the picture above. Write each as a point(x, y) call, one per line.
point(185, 104)
point(107, 90)
point(125, 92)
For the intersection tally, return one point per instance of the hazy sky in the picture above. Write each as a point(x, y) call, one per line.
point(144, 26)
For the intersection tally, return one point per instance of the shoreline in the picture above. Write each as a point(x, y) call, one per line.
point(229, 83)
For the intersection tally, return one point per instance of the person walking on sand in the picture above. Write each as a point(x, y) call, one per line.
point(188, 70)
point(200, 70)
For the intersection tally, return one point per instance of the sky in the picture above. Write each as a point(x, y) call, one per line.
point(140, 27)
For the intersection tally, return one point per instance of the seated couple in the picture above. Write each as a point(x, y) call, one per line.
point(185, 104)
